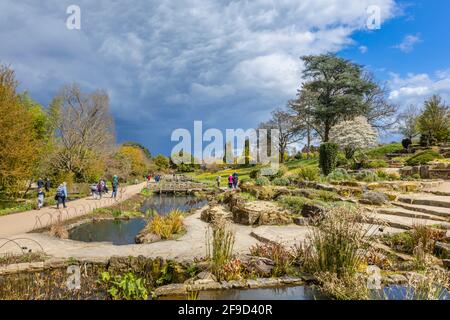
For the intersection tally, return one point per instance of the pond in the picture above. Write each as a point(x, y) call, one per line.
point(123, 232)
point(292, 293)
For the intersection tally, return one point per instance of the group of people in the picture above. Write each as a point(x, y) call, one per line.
point(233, 181)
point(62, 194)
point(101, 187)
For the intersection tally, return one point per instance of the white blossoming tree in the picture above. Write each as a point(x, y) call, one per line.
point(354, 135)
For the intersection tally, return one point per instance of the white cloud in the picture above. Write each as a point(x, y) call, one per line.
point(363, 49)
point(416, 88)
point(408, 43)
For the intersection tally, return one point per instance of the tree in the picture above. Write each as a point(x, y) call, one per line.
point(353, 135)
point(434, 122)
point(408, 122)
point(161, 161)
point(84, 132)
point(335, 90)
point(288, 127)
point(140, 146)
point(136, 157)
point(19, 144)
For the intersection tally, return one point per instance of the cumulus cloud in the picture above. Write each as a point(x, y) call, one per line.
point(166, 63)
point(416, 88)
point(408, 43)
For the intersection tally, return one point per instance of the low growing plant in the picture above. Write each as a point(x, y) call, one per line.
point(125, 287)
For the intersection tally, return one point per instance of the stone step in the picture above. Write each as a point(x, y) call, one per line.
point(401, 212)
point(427, 200)
point(437, 211)
point(404, 222)
point(438, 193)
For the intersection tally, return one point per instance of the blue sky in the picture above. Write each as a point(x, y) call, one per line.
point(227, 63)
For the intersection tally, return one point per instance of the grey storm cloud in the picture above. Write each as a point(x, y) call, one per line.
point(168, 63)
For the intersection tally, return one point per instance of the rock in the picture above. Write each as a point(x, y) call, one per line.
point(259, 265)
point(397, 279)
point(263, 283)
point(171, 289)
point(259, 213)
point(214, 212)
point(291, 280)
point(312, 211)
point(374, 198)
point(144, 237)
point(205, 275)
point(302, 221)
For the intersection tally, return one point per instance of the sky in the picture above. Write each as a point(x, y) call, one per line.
point(166, 64)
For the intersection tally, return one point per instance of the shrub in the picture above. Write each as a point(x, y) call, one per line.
point(339, 175)
point(384, 176)
point(367, 176)
point(328, 157)
point(283, 181)
point(423, 158)
point(346, 287)
point(342, 161)
point(431, 285)
point(262, 181)
point(255, 174)
point(308, 173)
point(282, 170)
point(406, 143)
point(376, 164)
point(294, 204)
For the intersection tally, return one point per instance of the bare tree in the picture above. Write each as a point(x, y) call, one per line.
point(289, 129)
point(407, 122)
point(84, 129)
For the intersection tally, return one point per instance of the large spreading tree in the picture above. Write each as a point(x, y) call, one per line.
point(336, 90)
point(434, 122)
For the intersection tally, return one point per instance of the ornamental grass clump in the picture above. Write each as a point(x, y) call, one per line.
point(220, 240)
point(168, 226)
point(335, 243)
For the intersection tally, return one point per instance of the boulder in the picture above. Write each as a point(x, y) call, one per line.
point(312, 211)
point(259, 213)
point(374, 198)
point(442, 249)
point(446, 263)
point(147, 237)
point(259, 265)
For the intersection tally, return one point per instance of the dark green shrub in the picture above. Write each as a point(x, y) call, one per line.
point(423, 158)
point(342, 161)
point(406, 143)
point(254, 174)
point(328, 157)
point(367, 176)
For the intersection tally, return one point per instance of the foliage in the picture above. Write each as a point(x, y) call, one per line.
point(376, 164)
point(353, 135)
point(334, 89)
point(219, 245)
point(167, 226)
point(434, 122)
point(334, 244)
point(339, 175)
point(308, 173)
point(423, 158)
point(346, 287)
point(381, 151)
point(137, 159)
point(430, 285)
point(366, 176)
point(161, 161)
point(283, 181)
point(254, 174)
point(406, 143)
point(125, 287)
point(262, 181)
point(279, 254)
point(295, 203)
point(328, 157)
point(408, 122)
point(19, 143)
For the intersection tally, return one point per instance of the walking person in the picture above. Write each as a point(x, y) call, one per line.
point(40, 199)
point(115, 186)
point(61, 195)
point(40, 183)
point(235, 180)
point(218, 181)
point(47, 185)
point(230, 182)
point(99, 189)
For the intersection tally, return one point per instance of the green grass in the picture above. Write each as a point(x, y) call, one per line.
point(381, 151)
